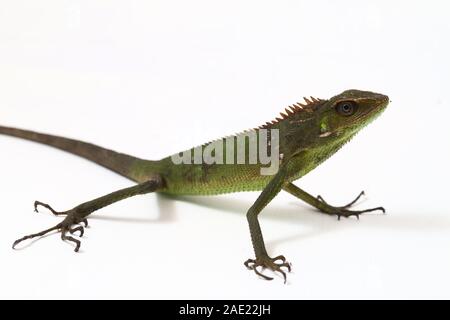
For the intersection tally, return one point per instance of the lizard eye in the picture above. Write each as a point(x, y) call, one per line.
point(346, 108)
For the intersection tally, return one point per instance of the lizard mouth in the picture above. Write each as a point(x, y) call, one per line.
point(368, 117)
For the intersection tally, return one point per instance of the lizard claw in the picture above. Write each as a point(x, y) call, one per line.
point(351, 204)
point(344, 212)
point(38, 204)
point(269, 263)
point(77, 229)
point(348, 213)
point(65, 237)
point(69, 225)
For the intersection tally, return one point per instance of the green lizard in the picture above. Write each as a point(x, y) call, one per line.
point(308, 134)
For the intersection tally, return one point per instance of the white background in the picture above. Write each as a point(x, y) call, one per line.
point(151, 78)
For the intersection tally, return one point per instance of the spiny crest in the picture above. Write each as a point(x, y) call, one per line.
point(298, 108)
point(308, 107)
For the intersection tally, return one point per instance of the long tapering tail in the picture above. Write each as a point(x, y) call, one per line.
point(117, 162)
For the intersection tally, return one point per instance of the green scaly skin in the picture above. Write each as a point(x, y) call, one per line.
point(309, 134)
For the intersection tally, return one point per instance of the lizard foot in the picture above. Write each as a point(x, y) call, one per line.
point(71, 224)
point(269, 263)
point(344, 212)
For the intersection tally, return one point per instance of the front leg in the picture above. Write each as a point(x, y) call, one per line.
point(79, 214)
point(262, 258)
point(320, 204)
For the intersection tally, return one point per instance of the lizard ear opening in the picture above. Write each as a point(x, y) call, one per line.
point(346, 108)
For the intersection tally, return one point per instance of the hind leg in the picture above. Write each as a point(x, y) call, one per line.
point(76, 216)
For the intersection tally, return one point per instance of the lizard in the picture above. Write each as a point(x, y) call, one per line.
point(309, 133)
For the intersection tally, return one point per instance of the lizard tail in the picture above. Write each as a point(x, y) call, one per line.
point(117, 162)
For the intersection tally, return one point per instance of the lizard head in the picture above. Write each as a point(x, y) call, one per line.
point(320, 123)
point(347, 113)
